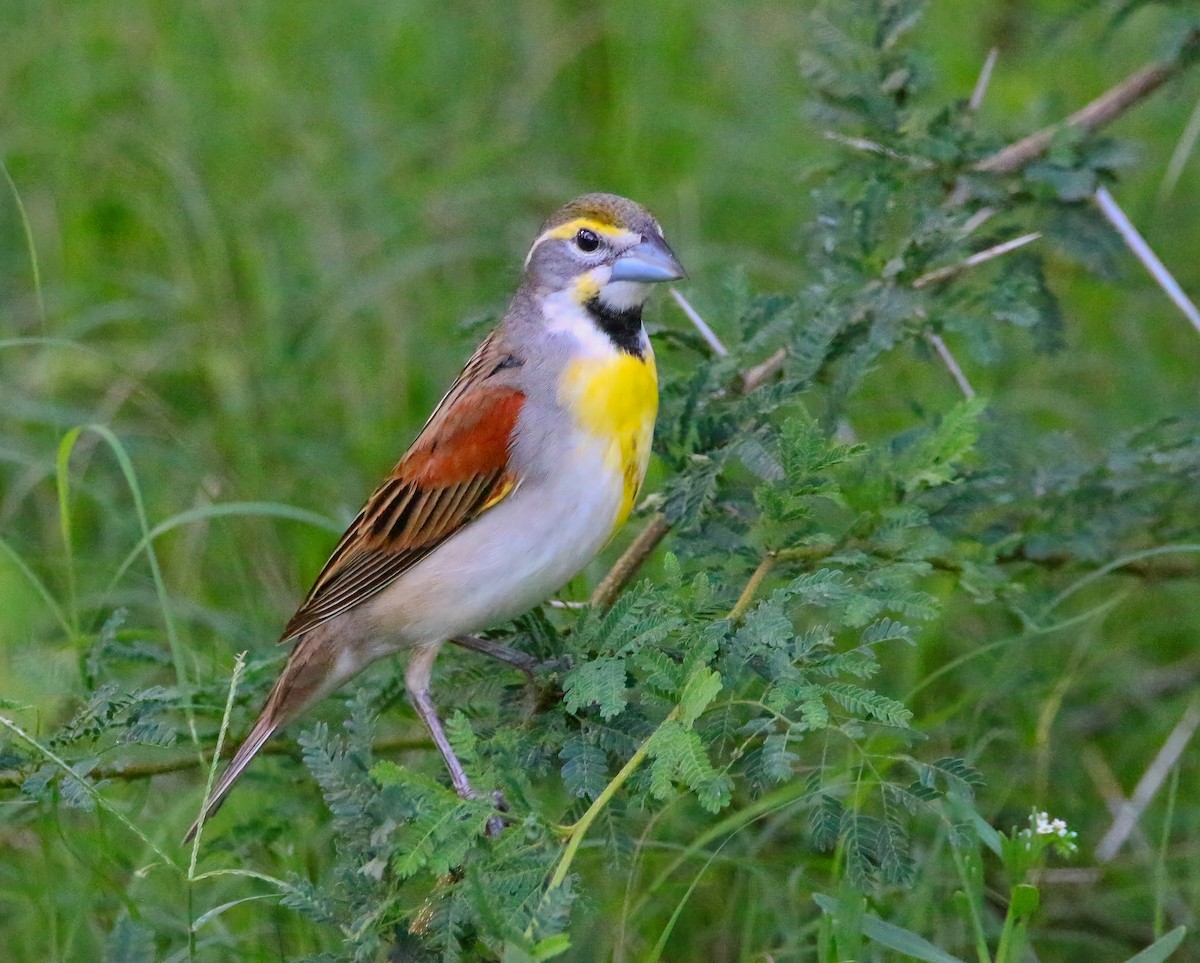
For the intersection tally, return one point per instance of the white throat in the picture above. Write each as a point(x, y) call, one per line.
point(623, 295)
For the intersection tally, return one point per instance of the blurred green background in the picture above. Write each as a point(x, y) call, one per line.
point(257, 240)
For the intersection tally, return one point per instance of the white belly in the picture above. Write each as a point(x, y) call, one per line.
point(506, 561)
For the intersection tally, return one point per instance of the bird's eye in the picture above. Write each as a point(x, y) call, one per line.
point(586, 240)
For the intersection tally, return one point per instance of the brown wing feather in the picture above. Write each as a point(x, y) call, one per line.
point(456, 469)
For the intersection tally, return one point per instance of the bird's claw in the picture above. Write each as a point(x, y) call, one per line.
point(562, 664)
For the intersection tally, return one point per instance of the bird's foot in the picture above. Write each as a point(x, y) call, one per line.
point(563, 663)
point(495, 824)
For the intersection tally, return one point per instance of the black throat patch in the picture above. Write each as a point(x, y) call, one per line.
point(624, 327)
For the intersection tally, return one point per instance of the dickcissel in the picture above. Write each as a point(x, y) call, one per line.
point(523, 472)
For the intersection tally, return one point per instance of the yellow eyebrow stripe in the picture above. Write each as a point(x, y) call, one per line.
point(571, 228)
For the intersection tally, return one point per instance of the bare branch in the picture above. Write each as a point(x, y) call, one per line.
point(979, 257)
point(956, 372)
point(976, 221)
point(1179, 156)
point(761, 373)
point(626, 567)
point(145, 770)
point(1102, 111)
point(872, 147)
point(706, 332)
point(985, 78)
point(1144, 253)
point(1149, 784)
point(951, 270)
point(748, 593)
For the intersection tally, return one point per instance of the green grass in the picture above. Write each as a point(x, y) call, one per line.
point(254, 242)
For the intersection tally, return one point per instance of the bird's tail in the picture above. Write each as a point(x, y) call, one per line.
point(313, 670)
point(262, 731)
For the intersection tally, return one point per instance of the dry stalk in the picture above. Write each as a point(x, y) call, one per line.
point(1156, 774)
point(1098, 113)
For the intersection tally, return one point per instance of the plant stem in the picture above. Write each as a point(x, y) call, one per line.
point(580, 827)
point(239, 665)
point(626, 567)
point(147, 770)
point(748, 593)
point(970, 897)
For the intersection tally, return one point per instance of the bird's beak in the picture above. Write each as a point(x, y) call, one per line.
point(648, 260)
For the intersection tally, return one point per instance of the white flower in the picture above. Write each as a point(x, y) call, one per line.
point(1046, 826)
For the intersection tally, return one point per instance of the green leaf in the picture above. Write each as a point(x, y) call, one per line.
point(207, 917)
point(933, 458)
point(1023, 901)
point(600, 682)
point(585, 767)
point(1161, 948)
point(864, 702)
point(887, 630)
point(439, 838)
point(778, 763)
point(690, 494)
point(551, 947)
point(677, 754)
point(699, 690)
point(892, 936)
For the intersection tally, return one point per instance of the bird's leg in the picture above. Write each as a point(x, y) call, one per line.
point(518, 660)
point(416, 681)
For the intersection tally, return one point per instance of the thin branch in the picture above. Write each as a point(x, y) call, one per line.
point(753, 378)
point(578, 830)
point(197, 831)
point(626, 567)
point(1144, 253)
point(979, 257)
point(948, 359)
point(748, 593)
point(1102, 111)
point(1150, 783)
point(976, 221)
point(700, 324)
point(952, 270)
point(145, 770)
point(1109, 789)
point(1149, 568)
point(985, 78)
point(871, 147)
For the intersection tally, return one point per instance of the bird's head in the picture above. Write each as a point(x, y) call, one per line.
point(601, 248)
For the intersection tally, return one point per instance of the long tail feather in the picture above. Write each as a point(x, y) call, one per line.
point(312, 671)
point(262, 731)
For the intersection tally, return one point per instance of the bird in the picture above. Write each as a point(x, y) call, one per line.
point(521, 475)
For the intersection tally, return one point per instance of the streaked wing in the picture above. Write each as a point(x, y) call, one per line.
point(455, 470)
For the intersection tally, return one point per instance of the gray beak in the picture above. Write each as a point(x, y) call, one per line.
point(647, 261)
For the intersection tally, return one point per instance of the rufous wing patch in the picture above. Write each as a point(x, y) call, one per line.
point(455, 470)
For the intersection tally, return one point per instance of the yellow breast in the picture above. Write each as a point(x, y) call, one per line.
point(615, 400)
